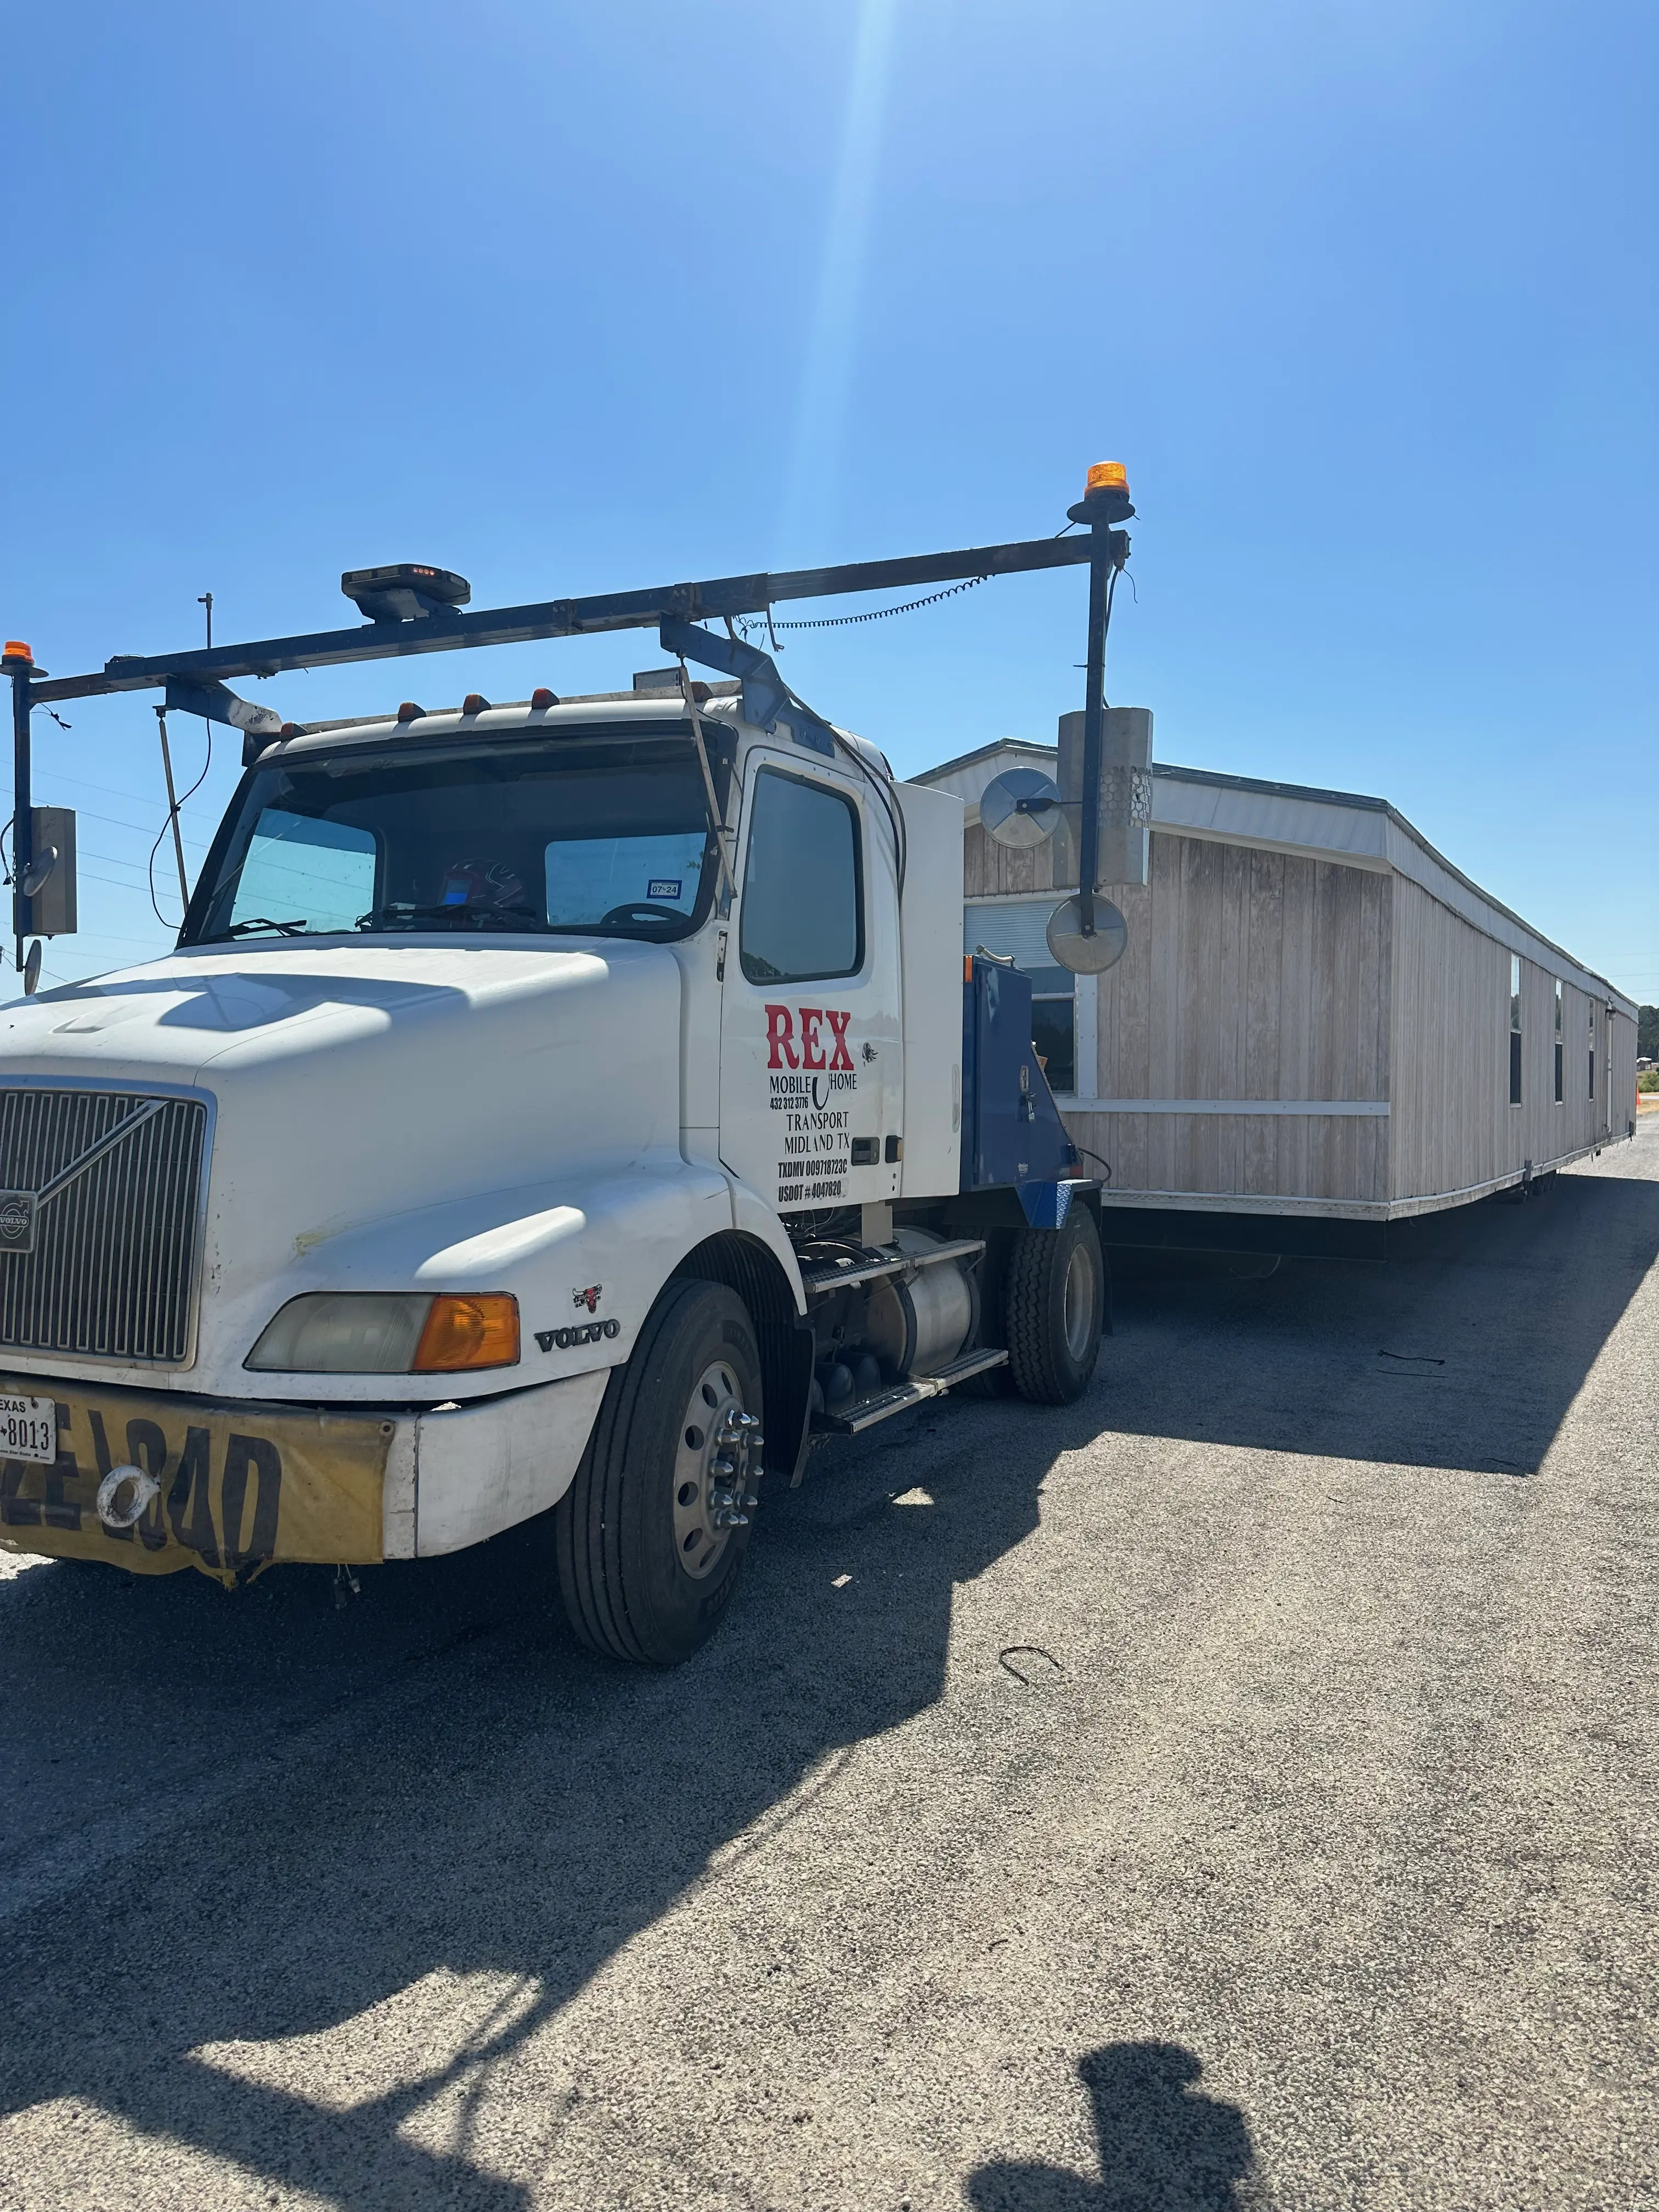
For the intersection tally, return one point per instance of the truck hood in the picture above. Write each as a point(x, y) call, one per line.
point(355, 1083)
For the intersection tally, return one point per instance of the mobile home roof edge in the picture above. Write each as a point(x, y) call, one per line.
point(1306, 795)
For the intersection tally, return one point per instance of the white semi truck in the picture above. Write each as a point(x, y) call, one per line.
point(576, 1105)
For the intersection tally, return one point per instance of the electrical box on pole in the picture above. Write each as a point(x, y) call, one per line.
point(52, 902)
point(1126, 792)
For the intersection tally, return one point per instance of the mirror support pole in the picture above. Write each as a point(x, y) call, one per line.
point(1100, 569)
point(23, 820)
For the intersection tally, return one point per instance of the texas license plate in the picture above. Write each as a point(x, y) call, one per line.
point(28, 1429)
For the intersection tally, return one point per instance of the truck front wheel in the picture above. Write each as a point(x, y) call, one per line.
point(651, 1535)
point(1054, 1307)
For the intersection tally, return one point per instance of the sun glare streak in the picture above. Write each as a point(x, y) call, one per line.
point(827, 370)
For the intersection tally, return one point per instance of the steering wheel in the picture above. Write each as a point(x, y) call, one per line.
point(640, 910)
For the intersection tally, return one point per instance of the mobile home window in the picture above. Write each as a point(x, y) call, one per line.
point(1592, 1051)
point(1514, 1029)
point(1054, 1039)
point(1558, 1041)
point(1016, 930)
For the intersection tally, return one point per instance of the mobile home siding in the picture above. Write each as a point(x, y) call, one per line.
point(1270, 978)
point(1453, 1128)
point(1305, 953)
point(1267, 975)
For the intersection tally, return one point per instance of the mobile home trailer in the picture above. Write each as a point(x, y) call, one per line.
point(1318, 1020)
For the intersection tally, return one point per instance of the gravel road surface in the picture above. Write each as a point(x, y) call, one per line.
point(1236, 1791)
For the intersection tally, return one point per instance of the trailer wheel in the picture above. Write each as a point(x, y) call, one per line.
point(1054, 1307)
point(651, 1535)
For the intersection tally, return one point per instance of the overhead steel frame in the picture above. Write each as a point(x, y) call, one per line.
point(673, 607)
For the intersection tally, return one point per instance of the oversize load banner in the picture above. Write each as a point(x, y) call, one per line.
point(240, 1484)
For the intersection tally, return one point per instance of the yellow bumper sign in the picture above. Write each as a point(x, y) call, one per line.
point(237, 1485)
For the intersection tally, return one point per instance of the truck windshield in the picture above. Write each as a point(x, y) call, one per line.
point(549, 837)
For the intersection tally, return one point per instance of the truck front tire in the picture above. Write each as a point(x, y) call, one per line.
point(1054, 1309)
point(651, 1535)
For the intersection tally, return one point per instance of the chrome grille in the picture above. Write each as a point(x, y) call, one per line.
point(112, 1274)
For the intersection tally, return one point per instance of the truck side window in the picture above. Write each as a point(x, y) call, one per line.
point(802, 912)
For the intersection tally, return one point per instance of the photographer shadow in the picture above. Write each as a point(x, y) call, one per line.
point(1163, 2145)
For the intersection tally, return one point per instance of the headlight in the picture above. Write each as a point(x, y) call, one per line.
point(389, 1333)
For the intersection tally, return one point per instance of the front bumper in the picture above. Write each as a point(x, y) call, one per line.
point(244, 1482)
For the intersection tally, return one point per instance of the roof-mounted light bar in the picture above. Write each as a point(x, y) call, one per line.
point(405, 592)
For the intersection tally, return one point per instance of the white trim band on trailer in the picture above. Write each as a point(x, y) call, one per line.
point(1368, 1106)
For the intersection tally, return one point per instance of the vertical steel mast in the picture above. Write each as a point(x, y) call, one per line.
point(18, 663)
point(1104, 502)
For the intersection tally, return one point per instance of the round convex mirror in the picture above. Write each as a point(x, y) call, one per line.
point(1020, 807)
point(1087, 955)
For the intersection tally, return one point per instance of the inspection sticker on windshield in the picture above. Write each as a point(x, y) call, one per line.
point(663, 887)
point(28, 1429)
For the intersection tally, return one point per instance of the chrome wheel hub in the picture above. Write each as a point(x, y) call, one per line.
point(719, 1444)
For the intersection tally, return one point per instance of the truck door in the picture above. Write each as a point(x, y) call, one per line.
point(811, 1055)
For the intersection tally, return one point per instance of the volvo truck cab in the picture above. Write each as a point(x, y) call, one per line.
point(575, 1106)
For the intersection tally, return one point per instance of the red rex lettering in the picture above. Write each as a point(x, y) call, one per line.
point(811, 1052)
point(838, 1024)
point(780, 1031)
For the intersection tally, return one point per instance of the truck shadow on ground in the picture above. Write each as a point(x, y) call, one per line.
point(1162, 2144)
point(230, 1820)
point(508, 1807)
point(1463, 1350)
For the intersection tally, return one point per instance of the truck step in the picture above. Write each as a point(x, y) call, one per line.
point(864, 1413)
point(971, 1362)
point(881, 1405)
point(820, 1276)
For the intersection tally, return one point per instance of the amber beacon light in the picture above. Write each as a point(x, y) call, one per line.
point(1105, 499)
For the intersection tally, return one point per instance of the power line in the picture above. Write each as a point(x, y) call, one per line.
point(115, 883)
point(108, 791)
point(138, 829)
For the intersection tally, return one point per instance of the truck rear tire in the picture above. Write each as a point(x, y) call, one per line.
point(1054, 1309)
point(650, 1535)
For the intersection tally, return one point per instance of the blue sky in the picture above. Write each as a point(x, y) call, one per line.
point(571, 299)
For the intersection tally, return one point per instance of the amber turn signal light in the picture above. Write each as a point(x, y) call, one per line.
point(469, 1331)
